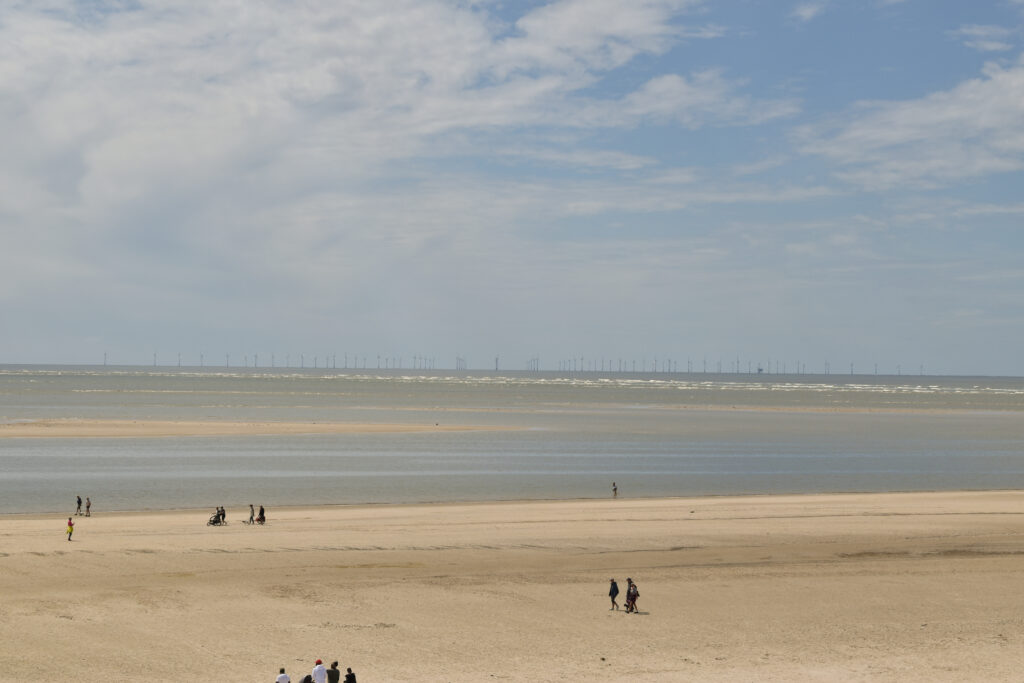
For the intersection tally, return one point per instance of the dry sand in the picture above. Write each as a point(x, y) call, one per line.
point(898, 587)
point(79, 428)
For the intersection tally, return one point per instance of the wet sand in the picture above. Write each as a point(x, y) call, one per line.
point(908, 587)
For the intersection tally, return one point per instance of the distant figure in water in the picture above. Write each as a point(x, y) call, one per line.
point(88, 504)
point(78, 511)
point(71, 528)
point(615, 490)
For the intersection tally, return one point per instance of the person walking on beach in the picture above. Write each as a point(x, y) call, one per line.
point(263, 517)
point(252, 514)
point(88, 504)
point(334, 674)
point(78, 510)
point(613, 592)
point(71, 528)
point(283, 677)
point(319, 673)
point(632, 593)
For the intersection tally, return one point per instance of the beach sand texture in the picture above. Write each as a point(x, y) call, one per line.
point(907, 587)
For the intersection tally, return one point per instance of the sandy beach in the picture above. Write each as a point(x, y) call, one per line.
point(908, 587)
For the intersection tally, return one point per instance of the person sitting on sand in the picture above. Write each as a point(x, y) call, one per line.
point(71, 528)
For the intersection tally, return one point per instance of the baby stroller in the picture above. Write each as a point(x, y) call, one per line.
point(214, 520)
point(261, 519)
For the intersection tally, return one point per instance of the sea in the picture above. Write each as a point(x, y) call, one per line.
point(560, 436)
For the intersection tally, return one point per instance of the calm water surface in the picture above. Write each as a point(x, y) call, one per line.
point(655, 435)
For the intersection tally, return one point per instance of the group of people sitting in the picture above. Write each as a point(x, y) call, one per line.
point(320, 674)
point(220, 516)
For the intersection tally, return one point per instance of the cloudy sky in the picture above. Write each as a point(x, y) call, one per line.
point(805, 182)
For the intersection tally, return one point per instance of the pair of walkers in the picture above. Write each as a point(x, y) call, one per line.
point(253, 519)
point(320, 674)
point(632, 593)
point(88, 504)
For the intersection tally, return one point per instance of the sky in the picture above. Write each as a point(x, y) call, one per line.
point(717, 184)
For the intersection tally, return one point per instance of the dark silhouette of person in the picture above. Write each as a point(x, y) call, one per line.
point(350, 677)
point(632, 593)
point(78, 510)
point(333, 674)
point(613, 592)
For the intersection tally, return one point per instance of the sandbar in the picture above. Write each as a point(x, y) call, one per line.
point(851, 587)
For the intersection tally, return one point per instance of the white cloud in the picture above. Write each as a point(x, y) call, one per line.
point(972, 130)
point(985, 38)
point(581, 158)
point(807, 11)
point(267, 142)
point(757, 167)
point(704, 98)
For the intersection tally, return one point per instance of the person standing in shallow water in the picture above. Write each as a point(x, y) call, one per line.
point(88, 504)
point(78, 510)
point(615, 490)
point(71, 528)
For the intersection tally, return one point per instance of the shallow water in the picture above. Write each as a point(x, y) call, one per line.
point(654, 435)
